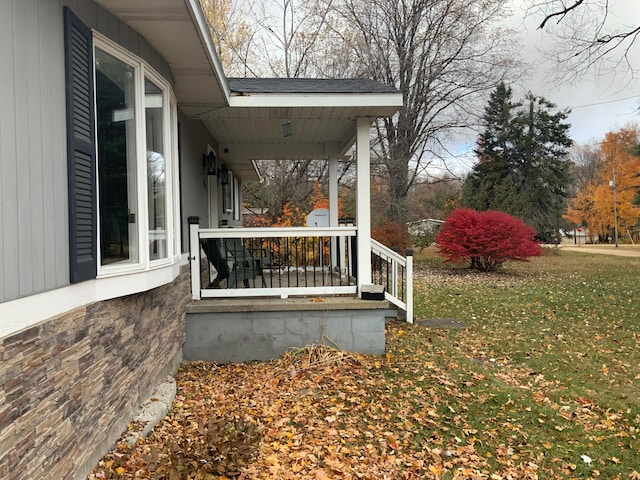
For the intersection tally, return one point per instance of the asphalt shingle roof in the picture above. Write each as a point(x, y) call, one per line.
point(308, 85)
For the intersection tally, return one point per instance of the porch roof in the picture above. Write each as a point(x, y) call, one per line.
point(246, 116)
point(248, 86)
point(295, 118)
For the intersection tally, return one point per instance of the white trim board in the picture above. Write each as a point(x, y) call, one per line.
point(381, 100)
point(26, 312)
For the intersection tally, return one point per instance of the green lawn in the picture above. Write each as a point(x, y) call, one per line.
point(542, 384)
point(549, 364)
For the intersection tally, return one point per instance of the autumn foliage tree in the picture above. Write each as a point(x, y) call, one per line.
point(593, 204)
point(486, 239)
point(391, 234)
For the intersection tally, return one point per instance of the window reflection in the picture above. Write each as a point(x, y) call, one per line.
point(156, 186)
point(115, 102)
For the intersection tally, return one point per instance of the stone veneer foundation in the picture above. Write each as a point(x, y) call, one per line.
point(68, 384)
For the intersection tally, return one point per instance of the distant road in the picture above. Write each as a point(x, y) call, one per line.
point(621, 251)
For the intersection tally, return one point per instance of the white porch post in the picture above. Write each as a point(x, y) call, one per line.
point(363, 202)
point(194, 256)
point(333, 205)
point(333, 192)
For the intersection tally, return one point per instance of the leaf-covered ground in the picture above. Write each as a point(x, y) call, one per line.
point(543, 383)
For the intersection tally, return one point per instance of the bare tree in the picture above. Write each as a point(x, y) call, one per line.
point(234, 37)
point(432, 196)
point(291, 34)
point(285, 182)
point(585, 161)
point(590, 33)
point(443, 55)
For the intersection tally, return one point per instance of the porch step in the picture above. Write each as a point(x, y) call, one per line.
point(239, 330)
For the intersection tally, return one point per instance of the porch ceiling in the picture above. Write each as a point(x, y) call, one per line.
point(320, 115)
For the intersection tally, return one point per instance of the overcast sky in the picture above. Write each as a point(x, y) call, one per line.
point(599, 102)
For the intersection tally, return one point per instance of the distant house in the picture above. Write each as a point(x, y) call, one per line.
point(418, 227)
point(117, 126)
point(423, 232)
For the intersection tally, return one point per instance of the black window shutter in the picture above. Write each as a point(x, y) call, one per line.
point(81, 150)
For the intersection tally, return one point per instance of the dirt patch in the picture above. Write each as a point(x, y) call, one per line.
point(441, 323)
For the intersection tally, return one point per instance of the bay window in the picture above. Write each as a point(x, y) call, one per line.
point(136, 135)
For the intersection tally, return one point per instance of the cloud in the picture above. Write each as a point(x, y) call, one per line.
point(600, 100)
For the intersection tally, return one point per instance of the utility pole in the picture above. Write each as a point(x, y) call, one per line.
point(612, 184)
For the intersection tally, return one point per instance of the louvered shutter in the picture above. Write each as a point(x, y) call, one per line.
point(80, 149)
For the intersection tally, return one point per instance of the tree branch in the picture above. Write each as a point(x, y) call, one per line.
point(560, 13)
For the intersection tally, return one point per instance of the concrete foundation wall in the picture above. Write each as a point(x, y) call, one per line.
point(68, 384)
point(251, 335)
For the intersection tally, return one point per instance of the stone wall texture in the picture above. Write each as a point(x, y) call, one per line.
point(67, 385)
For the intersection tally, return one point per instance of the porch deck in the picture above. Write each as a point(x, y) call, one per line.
point(245, 329)
point(248, 304)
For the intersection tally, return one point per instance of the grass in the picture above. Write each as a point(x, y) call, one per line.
point(543, 383)
point(558, 339)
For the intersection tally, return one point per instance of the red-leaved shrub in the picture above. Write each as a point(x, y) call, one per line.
point(392, 235)
point(486, 239)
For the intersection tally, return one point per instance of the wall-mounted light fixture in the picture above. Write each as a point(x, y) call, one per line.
point(287, 129)
point(209, 163)
point(224, 175)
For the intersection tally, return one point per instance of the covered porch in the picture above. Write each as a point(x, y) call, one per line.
point(313, 266)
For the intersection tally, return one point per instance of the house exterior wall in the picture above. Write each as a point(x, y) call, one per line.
point(231, 219)
point(34, 239)
point(33, 182)
point(74, 358)
point(194, 138)
point(68, 384)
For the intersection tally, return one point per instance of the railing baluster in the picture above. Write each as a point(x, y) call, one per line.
point(397, 276)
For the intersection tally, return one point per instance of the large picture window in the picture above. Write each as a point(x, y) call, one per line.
point(117, 162)
point(136, 134)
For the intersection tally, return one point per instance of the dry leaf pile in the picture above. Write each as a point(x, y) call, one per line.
point(318, 413)
point(542, 385)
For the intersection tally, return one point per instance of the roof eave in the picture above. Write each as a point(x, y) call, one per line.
point(199, 20)
point(384, 104)
point(199, 76)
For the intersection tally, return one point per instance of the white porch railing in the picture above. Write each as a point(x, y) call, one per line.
point(284, 262)
point(271, 261)
point(395, 273)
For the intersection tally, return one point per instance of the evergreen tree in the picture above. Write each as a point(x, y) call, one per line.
point(488, 186)
point(523, 166)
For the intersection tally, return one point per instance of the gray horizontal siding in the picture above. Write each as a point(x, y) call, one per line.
point(34, 245)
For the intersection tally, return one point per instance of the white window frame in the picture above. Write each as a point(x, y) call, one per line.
point(170, 141)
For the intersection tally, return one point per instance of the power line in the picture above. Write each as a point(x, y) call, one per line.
point(605, 102)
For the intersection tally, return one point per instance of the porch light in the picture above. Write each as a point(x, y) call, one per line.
point(209, 162)
point(287, 129)
point(224, 175)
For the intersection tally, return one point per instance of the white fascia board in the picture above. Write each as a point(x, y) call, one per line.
point(28, 311)
point(202, 26)
point(293, 100)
